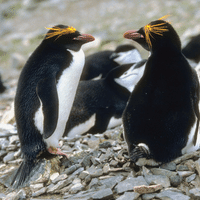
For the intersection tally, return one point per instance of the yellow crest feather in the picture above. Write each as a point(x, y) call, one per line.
point(56, 31)
point(157, 29)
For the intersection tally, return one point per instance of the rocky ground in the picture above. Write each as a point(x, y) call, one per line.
point(98, 166)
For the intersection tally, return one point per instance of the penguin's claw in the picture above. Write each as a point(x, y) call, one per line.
point(56, 151)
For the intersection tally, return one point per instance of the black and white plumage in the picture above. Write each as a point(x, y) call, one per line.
point(45, 93)
point(99, 104)
point(161, 119)
point(192, 49)
point(98, 65)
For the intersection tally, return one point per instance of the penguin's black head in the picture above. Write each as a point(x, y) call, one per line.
point(156, 34)
point(67, 36)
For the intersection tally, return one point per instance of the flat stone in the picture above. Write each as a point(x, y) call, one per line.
point(129, 183)
point(111, 182)
point(54, 176)
point(3, 153)
point(93, 142)
point(103, 194)
point(59, 178)
point(148, 196)
point(35, 187)
point(157, 171)
point(83, 174)
point(169, 166)
point(157, 179)
point(72, 169)
point(197, 165)
point(195, 193)
point(168, 194)
point(95, 171)
point(186, 157)
point(106, 168)
point(39, 192)
point(54, 188)
point(129, 196)
point(78, 171)
point(9, 157)
point(76, 188)
point(13, 139)
point(113, 163)
point(105, 144)
point(86, 162)
point(190, 178)
point(185, 173)
point(94, 183)
point(182, 168)
point(143, 189)
point(104, 157)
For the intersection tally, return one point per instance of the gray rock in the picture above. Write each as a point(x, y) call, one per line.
point(94, 183)
point(72, 169)
point(93, 142)
point(157, 171)
point(169, 166)
point(175, 180)
point(36, 187)
point(106, 168)
point(9, 157)
point(104, 157)
point(129, 183)
point(111, 182)
point(195, 193)
point(78, 171)
point(105, 144)
point(86, 162)
point(113, 163)
point(39, 192)
point(182, 168)
point(16, 195)
point(55, 188)
point(157, 179)
point(83, 174)
point(190, 178)
point(148, 196)
point(4, 144)
point(94, 171)
point(76, 188)
point(172, 195)
point(3, 153)
point(103, 194)
point(13, 139)
point(2, 196)
point(129, 196)
point(88, 178)
point(185, 173)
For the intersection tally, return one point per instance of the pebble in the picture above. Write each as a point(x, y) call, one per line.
point(195, 193)
point(129, 183)
point(103, 194)
point(157, 179)
point(10, 156)
point(190, 178)
point(129, 196)
point(169, 166)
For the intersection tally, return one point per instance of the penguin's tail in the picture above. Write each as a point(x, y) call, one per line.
point(25, 172)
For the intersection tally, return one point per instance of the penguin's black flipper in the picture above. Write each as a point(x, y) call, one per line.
point(25, 172)
point(47, 93)
point(196, 97)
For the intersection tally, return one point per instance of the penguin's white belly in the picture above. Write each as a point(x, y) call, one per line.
point(82, 128)
point(190, 147)
point(66, 89)
point(114, 122)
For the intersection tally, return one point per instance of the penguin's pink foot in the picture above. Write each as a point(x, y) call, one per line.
point(56, 151)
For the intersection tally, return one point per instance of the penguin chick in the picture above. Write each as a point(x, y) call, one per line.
point(192, 49)
point(161, 119)
point(98, 65)
point(99, 104)
point(45, 93)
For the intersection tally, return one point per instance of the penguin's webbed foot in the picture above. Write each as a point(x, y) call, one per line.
point(139, 152)
point(56, 151)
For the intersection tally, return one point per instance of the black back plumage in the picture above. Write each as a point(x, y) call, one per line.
point(100, 63)
point(192, 49)
point(164, 104)
point(103, 97)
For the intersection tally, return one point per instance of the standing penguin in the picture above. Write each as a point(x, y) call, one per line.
point(98, 65)
point(161, 119)
point(99, 104)
point(45, 93)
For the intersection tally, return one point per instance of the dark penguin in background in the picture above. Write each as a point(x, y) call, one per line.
point(45, 93)
point(99, 104)
point(98, 65)
point(2, 87)
point(161, 119)
point(192, 49)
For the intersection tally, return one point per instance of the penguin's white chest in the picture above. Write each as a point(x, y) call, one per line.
point(66, 89)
